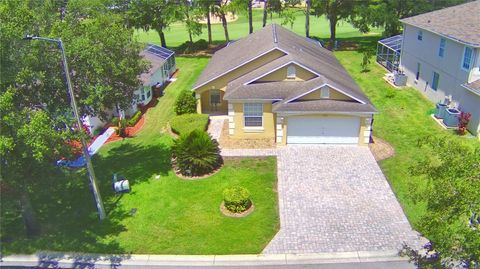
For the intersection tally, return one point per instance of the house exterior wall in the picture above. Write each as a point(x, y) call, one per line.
point(281, 74)
point(449, 67)
point(222, 81)
point(242, 132)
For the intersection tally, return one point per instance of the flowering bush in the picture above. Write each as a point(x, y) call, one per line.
point(463, 121)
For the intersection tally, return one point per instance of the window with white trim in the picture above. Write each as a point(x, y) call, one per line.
point(324, 93)
point(291, 72)
point(467, 58)
point(441, 49)
point(420, 35)
point(253, 114)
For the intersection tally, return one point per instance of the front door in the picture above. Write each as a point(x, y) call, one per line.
point(214, 100)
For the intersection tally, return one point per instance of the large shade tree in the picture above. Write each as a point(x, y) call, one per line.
point(452, 176)
point(153, 14)
point(36, 120)
point(335, 11)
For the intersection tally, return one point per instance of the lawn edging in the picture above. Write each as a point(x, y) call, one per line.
point(68, 260)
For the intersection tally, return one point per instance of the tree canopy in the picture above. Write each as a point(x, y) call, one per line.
point(37, 124)
point(452, 221)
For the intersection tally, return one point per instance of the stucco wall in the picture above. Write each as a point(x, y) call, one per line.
point(448, 67)
point(241, 132)
point(206, 105)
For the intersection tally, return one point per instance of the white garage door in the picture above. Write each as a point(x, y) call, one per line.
point(323, 130)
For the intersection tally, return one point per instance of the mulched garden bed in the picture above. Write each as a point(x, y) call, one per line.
point(178, 174)
point(227, 213)
point(381, 149)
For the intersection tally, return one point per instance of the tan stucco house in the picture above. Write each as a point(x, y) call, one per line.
point(277, 84)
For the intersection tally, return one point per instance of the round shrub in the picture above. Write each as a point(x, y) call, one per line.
point(185, 103)
point(196, 154)
point(237, 199)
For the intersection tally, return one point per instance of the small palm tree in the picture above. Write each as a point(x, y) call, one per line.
point(196, 153)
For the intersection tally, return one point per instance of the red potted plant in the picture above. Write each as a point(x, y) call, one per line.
point(463, 121)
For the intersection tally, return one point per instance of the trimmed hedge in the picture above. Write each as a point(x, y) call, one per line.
point(115, 121)
point(134, 119)
point(236, 199)
point(184, 124)
point(185, 103)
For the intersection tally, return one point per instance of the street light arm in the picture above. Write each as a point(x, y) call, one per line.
point(34, 37)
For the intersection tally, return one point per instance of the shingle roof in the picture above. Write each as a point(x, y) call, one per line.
point(300, 50)
point(473, 86)
point(460, 23)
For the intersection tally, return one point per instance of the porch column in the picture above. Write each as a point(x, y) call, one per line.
point(279, 130)
point(199, 103)
point(368, 130)
point(231, 122)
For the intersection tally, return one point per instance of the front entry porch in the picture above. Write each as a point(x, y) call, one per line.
point(211, 102)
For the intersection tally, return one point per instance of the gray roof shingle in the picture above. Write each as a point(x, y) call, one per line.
point(324, 106)
point(299, 50)
point(460, 23)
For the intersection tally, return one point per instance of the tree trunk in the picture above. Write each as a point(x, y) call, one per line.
point(307, 19)
point(265, 13)
point(28, 215)
point(209, 27)
point(162, 38)
point(250, 22)
point(333, 30)
point(225, 26)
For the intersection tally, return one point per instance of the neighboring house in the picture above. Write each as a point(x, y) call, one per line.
point(441, 57)
point(162, 66)
point(276, 84)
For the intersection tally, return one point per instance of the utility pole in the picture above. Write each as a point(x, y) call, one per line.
point(91, 173)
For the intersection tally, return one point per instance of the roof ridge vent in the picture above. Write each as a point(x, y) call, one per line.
point(275, 39)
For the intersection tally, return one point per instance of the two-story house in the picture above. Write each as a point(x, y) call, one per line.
point(441, 57)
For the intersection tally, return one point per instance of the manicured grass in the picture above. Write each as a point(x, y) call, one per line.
point(172, 216)
point(404, 118)
point(319, 27)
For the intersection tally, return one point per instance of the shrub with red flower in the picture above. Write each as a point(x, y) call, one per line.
point(463, 121)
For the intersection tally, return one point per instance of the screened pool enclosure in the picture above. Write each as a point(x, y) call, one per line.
point(388, 52)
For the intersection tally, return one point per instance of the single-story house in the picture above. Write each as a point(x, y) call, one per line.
point(279, 85)
point(162, 66)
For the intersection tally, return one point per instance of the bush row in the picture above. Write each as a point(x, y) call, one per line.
point(129, 122)
point(186, 123)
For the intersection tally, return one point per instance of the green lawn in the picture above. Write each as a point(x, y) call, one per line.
point(173, 216)
point(319, 27)
point(403, 119)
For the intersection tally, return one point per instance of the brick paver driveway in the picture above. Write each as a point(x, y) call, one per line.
point(336, 199)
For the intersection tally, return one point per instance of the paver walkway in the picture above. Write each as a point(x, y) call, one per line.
point(336, 199)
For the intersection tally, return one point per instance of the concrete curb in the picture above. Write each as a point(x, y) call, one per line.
point(68, 260)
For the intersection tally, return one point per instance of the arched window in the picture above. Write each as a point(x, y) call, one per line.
point(291, 72)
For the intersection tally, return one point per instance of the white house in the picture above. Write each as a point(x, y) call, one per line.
point(162, 66)
point(440, 56)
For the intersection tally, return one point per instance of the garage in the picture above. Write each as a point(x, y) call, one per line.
point(323, 130)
